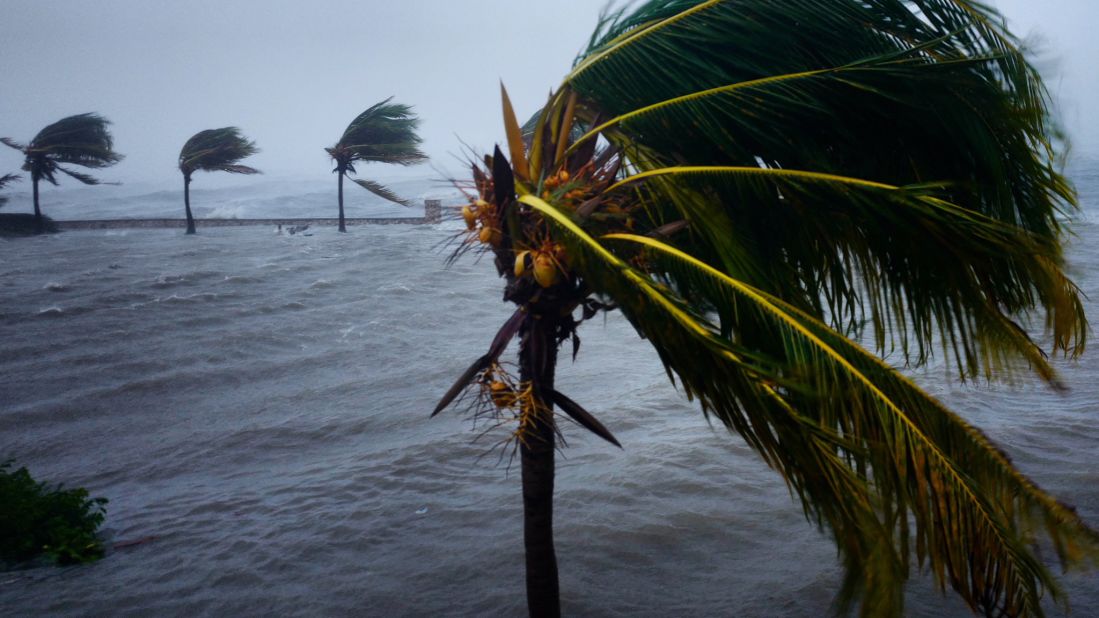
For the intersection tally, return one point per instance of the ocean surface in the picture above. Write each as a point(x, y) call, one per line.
point(255, 406)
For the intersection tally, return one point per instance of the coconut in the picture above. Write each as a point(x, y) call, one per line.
point(545, 270)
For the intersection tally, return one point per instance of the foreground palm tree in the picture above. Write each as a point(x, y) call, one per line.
point(77, 140)
point(384, 133)
point(213, 150)
point(750, 182)
point(4, 180)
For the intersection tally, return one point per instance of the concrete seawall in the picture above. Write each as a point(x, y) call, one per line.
point(433, 213)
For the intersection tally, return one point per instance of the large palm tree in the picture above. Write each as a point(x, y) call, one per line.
point(384, 133)
point(76, 140)
point(755, 184)
point(213, 150)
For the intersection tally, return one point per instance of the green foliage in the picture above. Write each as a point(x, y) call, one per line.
point(384, 133)
point(77, 140)
point(37, 519)
point(6, 179)
point(754, 182)
point(217, 150)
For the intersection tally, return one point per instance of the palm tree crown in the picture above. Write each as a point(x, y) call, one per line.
point(76, 140)
point(217, 150)
point(384, 133)
point(752, 182)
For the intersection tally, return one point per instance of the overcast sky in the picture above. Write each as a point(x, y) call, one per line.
point(292, 74)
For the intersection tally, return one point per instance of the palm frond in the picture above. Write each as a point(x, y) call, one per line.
point(383, 133)
point(217, 150)
point(9, 142)
point(7, 179)
point(381, 191)
point(84, 178)
point(82, 140)
point(854, 230)
point(806, 86)
point(814, 397)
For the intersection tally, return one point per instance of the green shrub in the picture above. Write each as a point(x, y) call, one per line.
point(36, 519)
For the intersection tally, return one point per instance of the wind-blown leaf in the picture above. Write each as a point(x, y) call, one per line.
point(217, 150)
point(384, 133)
point(922, 456)
point(7, 179)
point(81, 140)
point(381, 191)
point(499, 343)
point(516, 147)
point(583, 417)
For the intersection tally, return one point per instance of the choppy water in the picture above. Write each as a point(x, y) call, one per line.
point(259, 404)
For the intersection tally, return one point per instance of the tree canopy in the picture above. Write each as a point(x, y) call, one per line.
point(758, 186)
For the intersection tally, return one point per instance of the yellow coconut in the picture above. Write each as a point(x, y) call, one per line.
point(490, 236)
point(467, 214)
point(521, 263)
point(545, 269)
point(501, 395)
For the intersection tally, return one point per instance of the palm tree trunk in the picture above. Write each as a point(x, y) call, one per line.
point(37, 212)
point(187, 204)
point(538, 363)
point(342, 227)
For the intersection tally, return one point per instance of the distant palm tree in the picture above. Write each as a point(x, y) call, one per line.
point(751, 182)
point(5, 180)
point(78, 140)
point(384, 133)
point(213, 150)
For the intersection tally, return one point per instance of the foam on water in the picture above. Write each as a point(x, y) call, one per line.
point(258, 404)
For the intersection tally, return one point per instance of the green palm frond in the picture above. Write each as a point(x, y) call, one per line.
point(82, 140)
point(79, 140)
point(381, 191)
point(384, 133)
point(694, 83)
point(859, 443)
point(215, 150)
point(852, 229)
point(751, 182)
point(8, 179)
point(5, 180)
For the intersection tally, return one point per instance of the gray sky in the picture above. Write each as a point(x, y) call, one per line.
point(292, 74)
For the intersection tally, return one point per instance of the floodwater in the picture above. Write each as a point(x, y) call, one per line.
point(256, 407)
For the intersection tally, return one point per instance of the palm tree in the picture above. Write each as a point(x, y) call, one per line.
point(5, 179)
point(750, 183)
point(213, 150)
point(77, 140)
point(384, 133)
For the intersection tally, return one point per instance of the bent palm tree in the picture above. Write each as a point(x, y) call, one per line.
point(4, 180)
point(747, 181)
point(213, 150)
point(384, 133)
point(77, 140)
